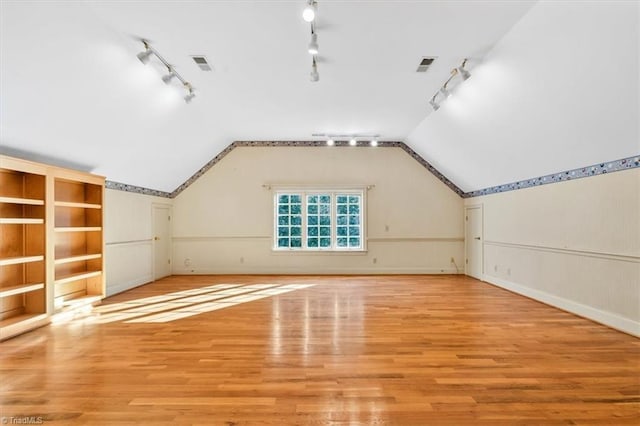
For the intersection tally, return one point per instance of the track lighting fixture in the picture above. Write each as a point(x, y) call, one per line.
point(190, 93)
point(168, 77)
point(350, 139)
point(463, 72)
point(309, 12)
point(313, 44)
point(314, 76)
point(445, 92)
point(309, 15)
point(145, 56)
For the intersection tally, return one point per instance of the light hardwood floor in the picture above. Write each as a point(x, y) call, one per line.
point(405, 350)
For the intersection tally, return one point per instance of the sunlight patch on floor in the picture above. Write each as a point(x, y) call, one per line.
point(186, 303)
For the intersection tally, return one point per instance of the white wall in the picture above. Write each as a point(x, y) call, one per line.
point(128, 239)
point(224, 221)
point(559, 91)
point(574, 245)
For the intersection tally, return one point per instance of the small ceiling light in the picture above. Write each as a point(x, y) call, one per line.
point(190, 93)
point(446, 93)
point(313, 45)
point(189, 97)
point(353, 142)
point(309, 12)
point(330, 142)
point(434, 104)
point(168, 77)
point(314, 76)
point(373, 142)
point(145, 55)
point(463, 72)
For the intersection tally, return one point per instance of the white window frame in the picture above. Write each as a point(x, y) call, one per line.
point(333, 192)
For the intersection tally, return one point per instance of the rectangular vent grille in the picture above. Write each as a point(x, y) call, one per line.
point(425, 63)
point(202, 63)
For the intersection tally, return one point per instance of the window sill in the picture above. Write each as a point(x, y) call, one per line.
point(308, 252)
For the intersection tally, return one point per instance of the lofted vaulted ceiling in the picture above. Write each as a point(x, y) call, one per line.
point(73, 92)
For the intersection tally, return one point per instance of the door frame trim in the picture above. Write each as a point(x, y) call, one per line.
point(153, 241)
point(466, 242)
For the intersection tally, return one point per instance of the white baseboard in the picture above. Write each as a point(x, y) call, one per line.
point(603, 317)
point(312, 271)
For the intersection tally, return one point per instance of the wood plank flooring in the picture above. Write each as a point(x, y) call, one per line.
point(347, 350)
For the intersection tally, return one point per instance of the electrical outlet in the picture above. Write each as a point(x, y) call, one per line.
point(452, 260)
point(187, 262)
point(375, 260)
point(242, 260)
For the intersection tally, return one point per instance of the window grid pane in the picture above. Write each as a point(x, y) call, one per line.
point(319, 221)
point(348, 219)
point(289, 220)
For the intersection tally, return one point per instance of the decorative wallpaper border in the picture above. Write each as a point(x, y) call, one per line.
point(137, 189)
point(582, 172)
point(432, 169)
point(343, 143)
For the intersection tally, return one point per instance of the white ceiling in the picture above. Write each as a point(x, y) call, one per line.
point(71, 88)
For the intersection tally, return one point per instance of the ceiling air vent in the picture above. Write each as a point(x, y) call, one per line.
point(425, 63)
point(202, 63)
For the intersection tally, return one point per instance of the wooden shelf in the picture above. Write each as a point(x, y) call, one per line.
point(20, 221)
point(77, 276)
point(20, 289)
point(19, 324)
point(20, 259)
point(77, 258)
point(51, 226)
point(78, 229)
point(78, 205)
point(29, 201)
point(88, 299)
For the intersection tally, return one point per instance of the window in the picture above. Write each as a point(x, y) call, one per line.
point(319, 220)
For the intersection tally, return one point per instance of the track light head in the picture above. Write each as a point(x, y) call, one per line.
point(330, 142)
point(189, 97)
point(314, 76)
point(445, 92)
point(464, 73)
point(190, 93)
point(309, 12)
point(353, 142)
point(373, 142)
point(313, 44)
point(434, 104)
point(168, 77)
point(145, 55)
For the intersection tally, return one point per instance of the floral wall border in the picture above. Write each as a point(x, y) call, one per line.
point(344, 143)
point(136, 189)
point(582, 172)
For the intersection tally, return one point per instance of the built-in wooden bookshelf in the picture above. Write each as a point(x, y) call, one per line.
point(23, 291)
point(51, 242)
point(78, 260)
